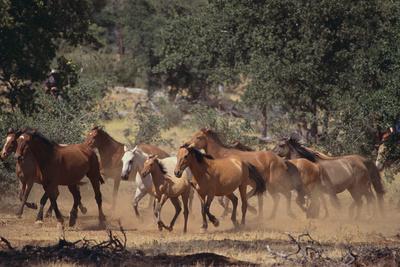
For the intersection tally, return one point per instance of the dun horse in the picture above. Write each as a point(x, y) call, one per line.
point(167, 186)
point(28, 173)
point(352, 172)
point(280, 176)
point(111, 153)
point(219, 177)
point(62, 165)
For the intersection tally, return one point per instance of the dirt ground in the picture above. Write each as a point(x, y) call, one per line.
point(261, 241)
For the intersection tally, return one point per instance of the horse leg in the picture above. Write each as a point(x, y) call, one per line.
point(203, 213)
point(324, 204)
point(178, 209)
point(234, 201)
point(260, 203)
point(22, 191)
point(186, 204)
point(160, 204)
point(39, 216)
point(117, 181)
point(27, 191)
point(211, 217)
point(95, 178)
point(275, 199)
point(77, 199)
point(80, 205)
point(139, 194)
point(224, 205)
point(191, 197)
point(288, 196)
point(150, 203)
point(51, 191)
point(50, 209)
point(357, 203)
point(243, 197)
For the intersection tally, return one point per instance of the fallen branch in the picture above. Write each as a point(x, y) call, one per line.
point(6, 242)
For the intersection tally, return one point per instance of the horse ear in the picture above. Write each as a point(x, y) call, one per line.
point(206, 130)
point(10, 131)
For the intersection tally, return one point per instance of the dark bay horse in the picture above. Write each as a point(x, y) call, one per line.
point(111, 153)
point(62, 165)
point(28, 172)
point(219, 177)
point(281, 176)
point(351, 172)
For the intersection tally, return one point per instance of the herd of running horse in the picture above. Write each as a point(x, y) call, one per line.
point(218, 172)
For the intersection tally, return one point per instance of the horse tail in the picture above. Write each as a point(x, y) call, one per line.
point(255, 175)
point(295, 179)
point(375, 178)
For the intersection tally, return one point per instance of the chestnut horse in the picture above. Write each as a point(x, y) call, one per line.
point(219, 177)
point(111, 153)
point(167, 186)
point(281, 176)
point(28, 173)
point(62, 165)
point(351, 172)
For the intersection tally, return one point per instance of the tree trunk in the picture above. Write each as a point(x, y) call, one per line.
point(264, 122)
point(314, 123)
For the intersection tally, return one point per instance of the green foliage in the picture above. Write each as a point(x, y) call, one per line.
point(230, 129)
point(149, 126)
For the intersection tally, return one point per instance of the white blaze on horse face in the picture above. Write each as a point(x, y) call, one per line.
point(127, 159)
point(8, 138)
point(22, 137)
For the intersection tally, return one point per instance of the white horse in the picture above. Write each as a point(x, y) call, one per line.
point(133, 161)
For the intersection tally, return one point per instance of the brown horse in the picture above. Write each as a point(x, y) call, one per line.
point(62, 165)
point(111, 153)
point(310, 174)
point(28, 173)
point(219, 177)
point(167, 186)
point(280, 175)
point(352, 172)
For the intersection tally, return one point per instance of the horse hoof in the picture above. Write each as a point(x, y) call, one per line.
point(170, 228)
point(39, 222)
point(203, 230)
point(18, 215)
point(72, 222)
point(83, 210)
point(215, 222)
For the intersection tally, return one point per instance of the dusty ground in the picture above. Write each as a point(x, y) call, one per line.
point(257, 242)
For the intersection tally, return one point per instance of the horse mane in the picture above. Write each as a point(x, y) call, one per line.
point(197, 153)
point(302, 150)
point(163, 169)
point(40, 136)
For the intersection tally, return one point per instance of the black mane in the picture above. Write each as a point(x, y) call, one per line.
point(162, 167)
point(301, 150)
point(197, 154)
point(40, 136)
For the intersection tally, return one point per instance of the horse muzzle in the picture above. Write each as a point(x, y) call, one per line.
point(124, 177)
point(178, 174)
point(18, 157)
